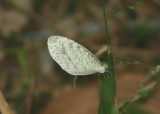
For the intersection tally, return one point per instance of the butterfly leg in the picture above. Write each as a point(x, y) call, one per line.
point(104, 76)
point(109, 73)
point(74, 82)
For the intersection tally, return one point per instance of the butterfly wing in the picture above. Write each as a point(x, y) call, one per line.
point(73, 57)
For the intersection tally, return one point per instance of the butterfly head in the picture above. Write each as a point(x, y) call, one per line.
point(103, 68)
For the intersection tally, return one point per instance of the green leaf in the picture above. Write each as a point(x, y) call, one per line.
point(144, 93)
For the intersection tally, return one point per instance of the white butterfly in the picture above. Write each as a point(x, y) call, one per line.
point(73, 57)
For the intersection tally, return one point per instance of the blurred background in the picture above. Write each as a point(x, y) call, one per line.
point(33, 83)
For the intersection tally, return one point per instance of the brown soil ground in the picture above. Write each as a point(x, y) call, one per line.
point(85, 99)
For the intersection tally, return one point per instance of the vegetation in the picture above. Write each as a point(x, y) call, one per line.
point(31, 82)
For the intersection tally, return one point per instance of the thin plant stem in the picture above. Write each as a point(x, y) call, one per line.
point(4, 107)
point(106, 29)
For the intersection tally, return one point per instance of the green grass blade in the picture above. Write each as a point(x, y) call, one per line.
point(108, 90)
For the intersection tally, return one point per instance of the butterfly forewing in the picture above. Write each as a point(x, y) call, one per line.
point(73, 57)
